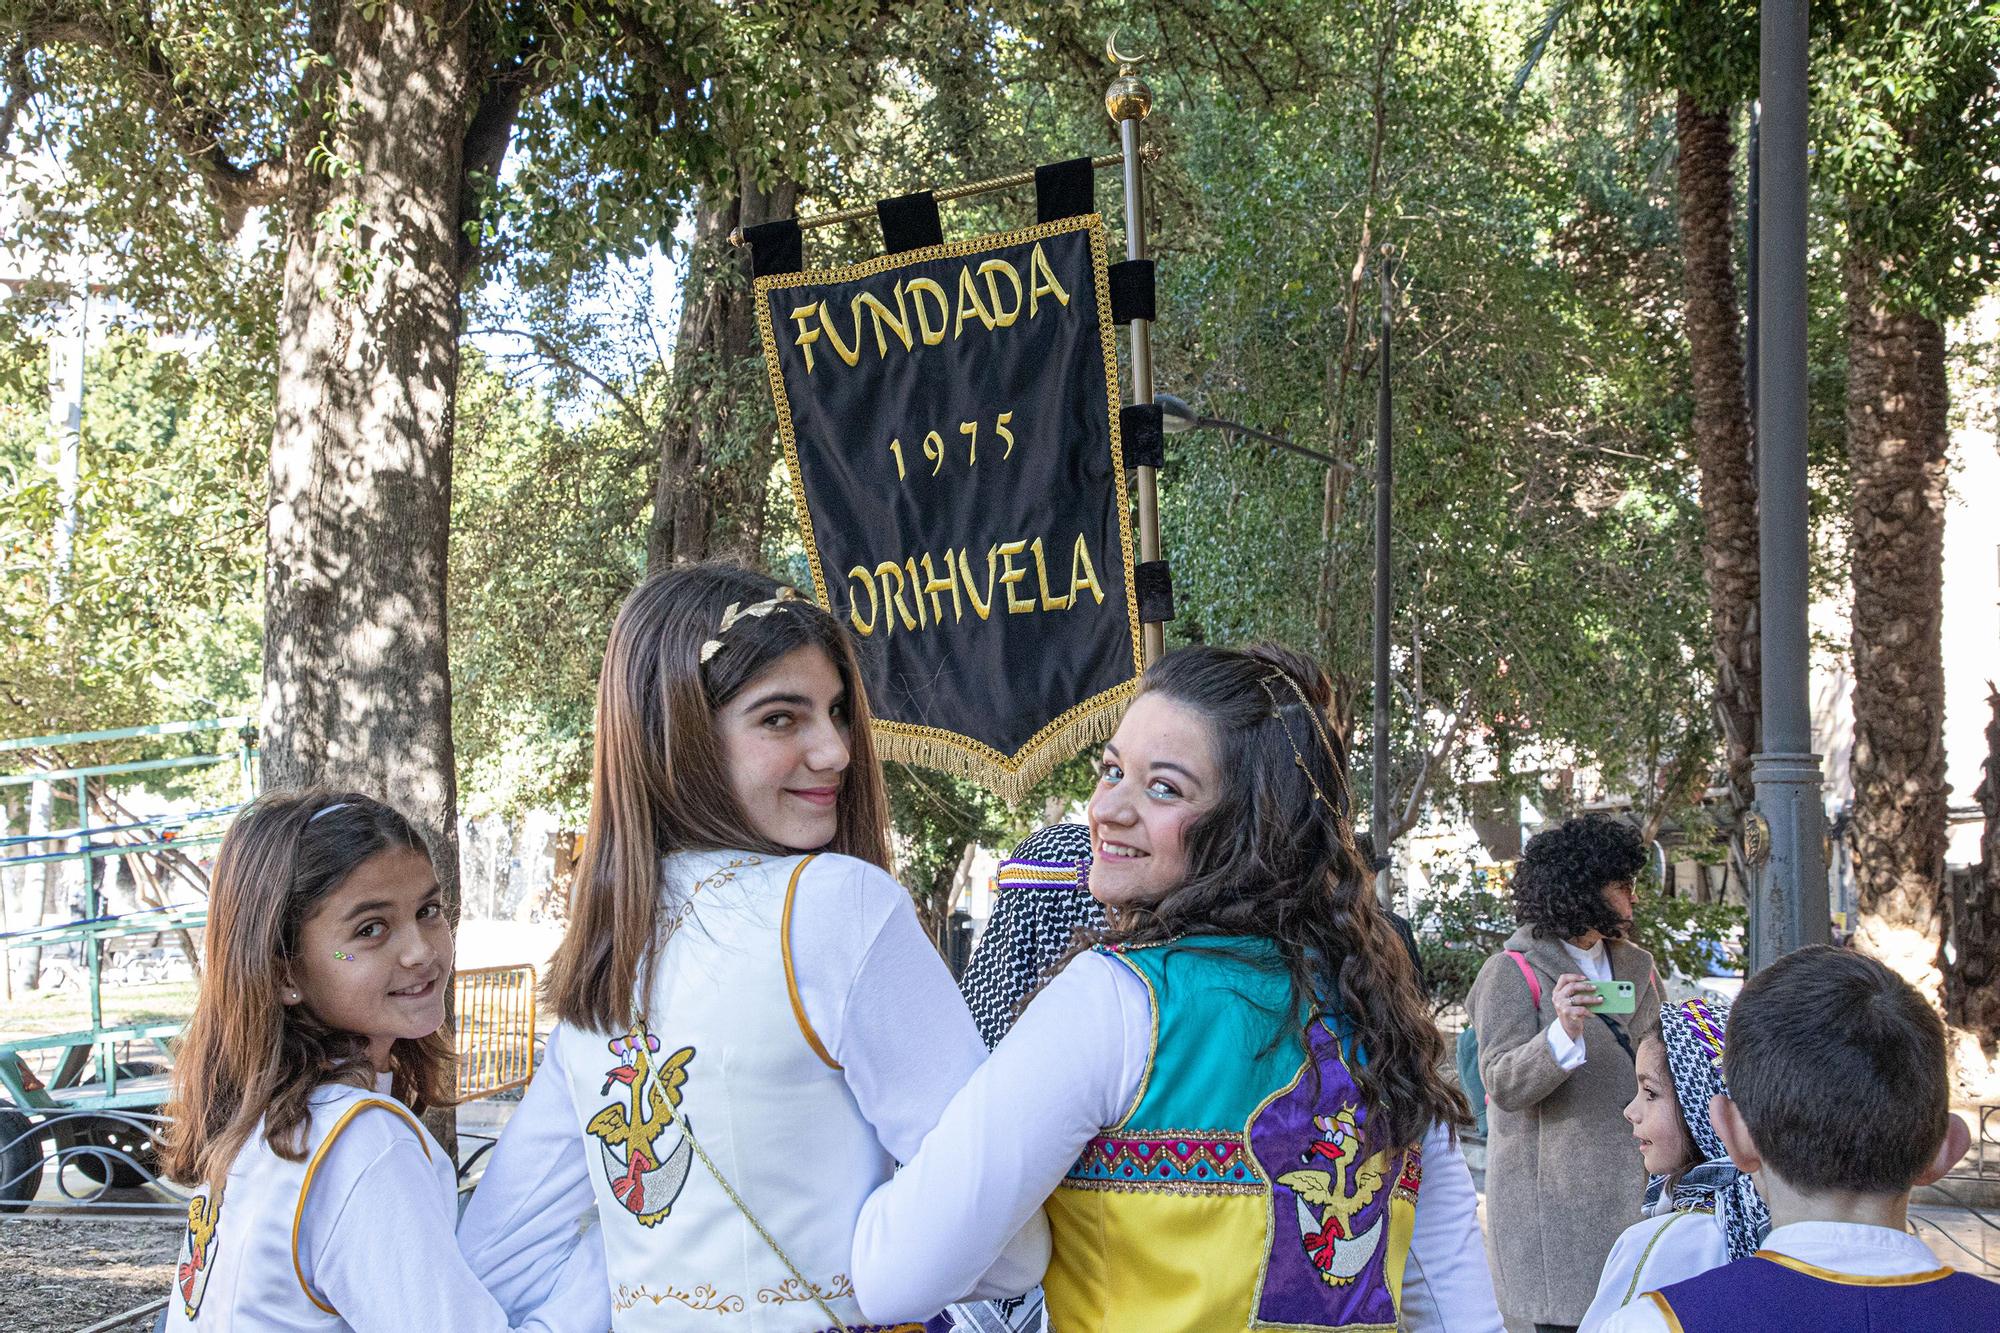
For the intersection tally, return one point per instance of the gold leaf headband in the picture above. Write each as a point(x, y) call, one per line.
point(1312, 713)
point(736, 611)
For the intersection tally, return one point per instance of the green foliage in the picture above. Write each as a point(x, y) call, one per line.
point(1546, 566)
point(548, 535)
point(1906, 130)
point(1705, 48)
point(154, 613)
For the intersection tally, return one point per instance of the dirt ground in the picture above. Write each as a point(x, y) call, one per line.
point(58, 1275)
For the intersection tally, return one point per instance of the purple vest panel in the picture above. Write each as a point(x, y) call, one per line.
point(1772, 1298)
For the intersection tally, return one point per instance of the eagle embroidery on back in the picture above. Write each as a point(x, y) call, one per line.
point(628, 1130)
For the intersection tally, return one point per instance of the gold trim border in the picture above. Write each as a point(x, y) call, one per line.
point(1094, 719)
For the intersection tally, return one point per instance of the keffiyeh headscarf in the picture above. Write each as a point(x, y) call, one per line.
point(1044, 899)
point(1692, 1032)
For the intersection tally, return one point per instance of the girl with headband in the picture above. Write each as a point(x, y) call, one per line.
point(754, 1026)
point(1231, 1109)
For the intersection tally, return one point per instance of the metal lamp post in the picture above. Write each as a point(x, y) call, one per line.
point(1785, 838)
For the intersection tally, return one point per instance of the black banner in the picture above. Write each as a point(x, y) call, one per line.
point(948, 416)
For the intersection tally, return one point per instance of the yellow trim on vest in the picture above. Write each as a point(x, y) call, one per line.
point(312, 1169)
point(1152, 1045)
point(1666, 1312)
point(791, 980)
point(1851, 1279)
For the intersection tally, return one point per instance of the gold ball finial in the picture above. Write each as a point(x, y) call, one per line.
point(1128, 97)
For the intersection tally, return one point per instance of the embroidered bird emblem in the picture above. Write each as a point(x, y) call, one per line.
point(628, 1131)
point(1339, 1191)
point(192, 1274)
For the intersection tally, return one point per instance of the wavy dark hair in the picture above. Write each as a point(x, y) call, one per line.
point(1560, 881)
point(1271, 859)
point(246, 1056)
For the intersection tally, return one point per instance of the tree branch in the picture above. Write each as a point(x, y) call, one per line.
point(1433, 759)
point(18, 86)
point(194, 129)
point(553, 353)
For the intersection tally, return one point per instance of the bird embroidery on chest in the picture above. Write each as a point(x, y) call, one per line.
point(645, 1176)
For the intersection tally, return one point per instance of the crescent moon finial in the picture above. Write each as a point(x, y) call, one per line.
point(1138, 54)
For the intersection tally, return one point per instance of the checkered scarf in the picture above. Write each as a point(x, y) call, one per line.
point(1044, 899)
point(1692, 1031)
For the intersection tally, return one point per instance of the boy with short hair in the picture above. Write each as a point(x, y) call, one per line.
point(1839, 1105)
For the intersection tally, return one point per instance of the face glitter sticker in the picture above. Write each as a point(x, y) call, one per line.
point(343, 957)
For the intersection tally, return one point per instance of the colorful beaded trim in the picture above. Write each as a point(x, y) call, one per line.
point(1170, 1162)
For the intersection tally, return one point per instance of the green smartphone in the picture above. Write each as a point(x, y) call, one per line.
point(1619, 997)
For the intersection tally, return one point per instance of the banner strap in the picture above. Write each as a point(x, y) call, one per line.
point(866, 212)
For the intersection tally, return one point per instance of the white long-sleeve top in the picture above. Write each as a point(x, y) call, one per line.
point(882, 1003)
point(1071, 1066)
point(358, 1237)
point(1667, 1247)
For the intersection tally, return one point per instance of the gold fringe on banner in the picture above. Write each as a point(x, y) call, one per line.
point(1011, 779)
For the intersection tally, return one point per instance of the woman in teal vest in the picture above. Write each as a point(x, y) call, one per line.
point(1231, 1108)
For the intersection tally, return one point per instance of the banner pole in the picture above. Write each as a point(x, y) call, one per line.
point(1128, 101)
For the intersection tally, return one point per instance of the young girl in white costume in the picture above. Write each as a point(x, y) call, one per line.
point(754, 1026)
point(322, 1202)
point(1232, 1109)
point(1701, 1212)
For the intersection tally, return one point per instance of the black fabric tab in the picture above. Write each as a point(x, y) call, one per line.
point(1142, 427)
point(910, 222)
point(1065, 189)
point(776, 247)
point(1131, 290)
point(1155, 585)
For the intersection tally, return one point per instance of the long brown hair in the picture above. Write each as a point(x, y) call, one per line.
point(658, 780)
point(1275, 857)
point(246, 1055)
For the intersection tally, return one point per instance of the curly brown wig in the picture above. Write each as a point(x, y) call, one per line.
point(1560, 881)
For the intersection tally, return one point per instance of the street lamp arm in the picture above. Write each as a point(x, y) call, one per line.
point(1276, 441)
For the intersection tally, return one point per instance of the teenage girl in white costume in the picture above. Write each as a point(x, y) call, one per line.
point(754, 1026)
point(318, 1035)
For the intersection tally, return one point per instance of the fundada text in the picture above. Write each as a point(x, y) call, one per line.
point(925, 311)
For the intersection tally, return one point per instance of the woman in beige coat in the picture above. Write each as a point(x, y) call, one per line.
point(1563, 1174)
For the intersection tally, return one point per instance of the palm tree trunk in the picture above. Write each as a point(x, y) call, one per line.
point(1721, 428)
point(1972, 978)
point(1896, 439)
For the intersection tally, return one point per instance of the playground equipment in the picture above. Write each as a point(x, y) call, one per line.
point(94, 1094)
point(93, 1098)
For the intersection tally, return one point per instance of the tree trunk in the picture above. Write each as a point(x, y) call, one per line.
point(41, 818)
point(716, 444)
point(1721, 428)
point(1972, 979)
point(357, 690)
point(1896, 439)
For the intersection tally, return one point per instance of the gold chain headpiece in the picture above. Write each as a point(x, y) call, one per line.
point(736, 611)
point(1319, 727)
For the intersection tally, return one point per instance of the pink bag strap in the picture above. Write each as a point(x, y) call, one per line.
point(1528, 973)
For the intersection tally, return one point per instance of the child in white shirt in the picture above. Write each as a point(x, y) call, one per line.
point(321, 1200)
point(1701, 1212)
